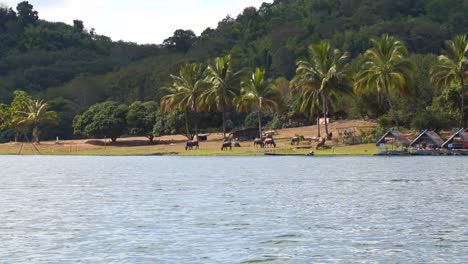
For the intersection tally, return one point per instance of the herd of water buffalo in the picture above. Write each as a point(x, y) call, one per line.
point(266, 142)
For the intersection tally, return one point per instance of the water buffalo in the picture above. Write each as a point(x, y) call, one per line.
point(269, 142)
point(237, 143)
point(320, 143)
point(226, 144)
point(259, 142)
point(192, 144)
point(296, 140)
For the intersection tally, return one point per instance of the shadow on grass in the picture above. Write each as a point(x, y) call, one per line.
point(133, 143)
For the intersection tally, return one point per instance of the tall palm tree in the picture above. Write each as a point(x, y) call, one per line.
point(453, 69)
point(259, 94)
point(308, 103)
point(37, 113)
point(224, 87)
point(324, 73)
point(184, 93)
point(385, 70)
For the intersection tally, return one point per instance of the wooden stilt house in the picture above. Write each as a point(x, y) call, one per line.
point(393, 143)
point(427, 143)
point(427, 140)
point(459, 140)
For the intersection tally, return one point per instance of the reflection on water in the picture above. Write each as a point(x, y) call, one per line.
point(233, 210)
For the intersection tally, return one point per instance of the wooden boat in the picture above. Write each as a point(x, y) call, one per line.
point(426, 153)
point(392, 153)
point(288, 155)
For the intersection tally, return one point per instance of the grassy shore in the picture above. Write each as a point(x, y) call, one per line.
point(175, 150)
point(175, 145)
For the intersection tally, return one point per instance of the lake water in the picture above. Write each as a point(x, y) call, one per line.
point(233, 209)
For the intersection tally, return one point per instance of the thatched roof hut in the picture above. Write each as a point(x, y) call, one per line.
point(459, 140)
point(245, 134)
point(391, 137)
point(428, 138)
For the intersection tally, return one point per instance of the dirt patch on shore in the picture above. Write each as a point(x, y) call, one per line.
point(167, 145)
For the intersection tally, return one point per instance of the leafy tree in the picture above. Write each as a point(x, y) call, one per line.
point(26, 13)
point(453, 69)
point(37, 114)
point(257, 93)
point(18, 106)
point(141, 118)
point(171, 123)
point(3, 116)
point(324, 72)
point(224, 87)
point(385, 70)
point(78, 26)
point(182, 40)
point(104, 120)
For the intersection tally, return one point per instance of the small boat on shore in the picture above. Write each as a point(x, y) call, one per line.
point(392, 153)
point(311, 154)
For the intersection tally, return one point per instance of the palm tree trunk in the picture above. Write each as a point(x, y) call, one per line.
point(187, 130)
point(392, 109)
point(462, 91)
point(318, 122)
point(36, 134)
point(16, 137)
point(260, 124)
point(325, 113)
point(224, 124)
point(392, 112)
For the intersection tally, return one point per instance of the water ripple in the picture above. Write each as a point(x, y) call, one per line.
point(233, 210)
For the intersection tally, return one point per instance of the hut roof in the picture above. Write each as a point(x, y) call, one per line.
point(245, 133)
point(460, 133)
point(394, 134)
point(431, 135)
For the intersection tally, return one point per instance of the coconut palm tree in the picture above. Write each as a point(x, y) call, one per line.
point(308, 103)
point(385, 70)
point(453, 69)
point(224, 87)
point(259, 94)
point(323, 72)
point(185, 92)
point(36, 114)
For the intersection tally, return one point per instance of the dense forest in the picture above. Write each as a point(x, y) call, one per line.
point(74, 68)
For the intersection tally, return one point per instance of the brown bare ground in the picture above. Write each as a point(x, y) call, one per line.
point(167, 144)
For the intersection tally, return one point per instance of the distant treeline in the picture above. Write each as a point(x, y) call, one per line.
point(74, 68)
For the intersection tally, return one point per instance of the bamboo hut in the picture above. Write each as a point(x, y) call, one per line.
point(427, 143)
point(393, 143)
point(245, 134)
point(459, 140)
point(427, 140)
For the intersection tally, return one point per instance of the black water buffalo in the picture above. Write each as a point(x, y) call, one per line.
point(320, 143)
point(192, 144)
point(259, 142)
point(269, 142)
point(296, 140)
point(226, 144)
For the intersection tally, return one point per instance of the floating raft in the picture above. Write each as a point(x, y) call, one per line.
point(392, 153)
point(286, 155)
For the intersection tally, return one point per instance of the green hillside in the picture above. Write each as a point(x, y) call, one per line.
point(73, 67)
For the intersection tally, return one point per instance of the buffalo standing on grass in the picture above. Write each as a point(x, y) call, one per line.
point(259, 142)
point(269, 142)
point(226, 144)
point(192, 144)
